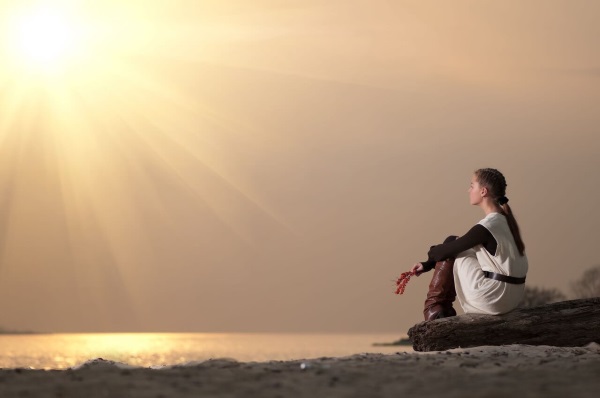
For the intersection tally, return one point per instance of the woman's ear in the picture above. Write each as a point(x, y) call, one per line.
point(484, 192)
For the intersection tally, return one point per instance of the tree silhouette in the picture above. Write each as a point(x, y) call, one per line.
point(588, 285)
point(535, 296)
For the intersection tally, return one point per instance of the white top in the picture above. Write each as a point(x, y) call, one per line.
point(478, 294)
point(507, 260)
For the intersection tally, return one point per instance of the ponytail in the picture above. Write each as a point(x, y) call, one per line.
point(514, 227)
point(495, 182)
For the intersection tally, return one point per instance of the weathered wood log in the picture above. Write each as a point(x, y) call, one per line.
point(570, 323)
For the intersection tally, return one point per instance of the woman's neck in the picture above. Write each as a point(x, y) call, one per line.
point(489, 207)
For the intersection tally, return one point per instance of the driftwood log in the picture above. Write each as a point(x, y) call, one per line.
point(571, 323)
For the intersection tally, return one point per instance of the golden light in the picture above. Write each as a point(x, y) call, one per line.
point(101, 101)
point(44, 38)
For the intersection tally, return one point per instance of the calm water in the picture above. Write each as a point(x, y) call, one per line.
point(59, 351)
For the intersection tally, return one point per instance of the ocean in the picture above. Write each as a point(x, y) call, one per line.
point(61, 351)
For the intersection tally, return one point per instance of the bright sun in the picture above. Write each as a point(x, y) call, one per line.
point(44, 38)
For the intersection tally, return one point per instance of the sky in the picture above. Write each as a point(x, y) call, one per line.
point(273, 166)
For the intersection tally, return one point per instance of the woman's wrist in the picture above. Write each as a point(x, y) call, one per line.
point(428, 265)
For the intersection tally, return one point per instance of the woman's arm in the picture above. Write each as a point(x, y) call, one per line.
point(478, 235)
point(430, 264)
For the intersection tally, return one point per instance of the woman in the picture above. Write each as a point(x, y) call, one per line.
point(486, 267)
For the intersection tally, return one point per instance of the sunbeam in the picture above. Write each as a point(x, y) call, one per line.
point(94, 136)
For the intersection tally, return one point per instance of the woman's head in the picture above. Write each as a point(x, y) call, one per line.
point(492, 184)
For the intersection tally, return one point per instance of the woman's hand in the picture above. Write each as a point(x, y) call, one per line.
point(417, 269)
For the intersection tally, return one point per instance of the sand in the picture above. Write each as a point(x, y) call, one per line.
point(489, 371)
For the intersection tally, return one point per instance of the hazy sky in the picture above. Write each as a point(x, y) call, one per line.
point(275, 165)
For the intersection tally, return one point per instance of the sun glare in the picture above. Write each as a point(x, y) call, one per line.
point(44, 38)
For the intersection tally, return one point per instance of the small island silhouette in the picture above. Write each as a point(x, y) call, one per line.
point(11, 331)
point(403, 341)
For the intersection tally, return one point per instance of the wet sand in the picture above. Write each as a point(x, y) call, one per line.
point(489, 371)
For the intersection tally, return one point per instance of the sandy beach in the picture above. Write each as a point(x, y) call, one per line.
point(488, 371)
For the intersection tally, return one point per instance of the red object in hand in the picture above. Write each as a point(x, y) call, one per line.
point(403, 280)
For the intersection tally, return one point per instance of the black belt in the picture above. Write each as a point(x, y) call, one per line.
point(504, 278)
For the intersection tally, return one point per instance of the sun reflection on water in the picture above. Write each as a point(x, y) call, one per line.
point(60, 351)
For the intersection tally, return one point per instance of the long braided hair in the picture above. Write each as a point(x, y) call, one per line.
point(495, 183)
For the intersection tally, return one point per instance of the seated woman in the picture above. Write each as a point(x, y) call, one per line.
point(486, 267)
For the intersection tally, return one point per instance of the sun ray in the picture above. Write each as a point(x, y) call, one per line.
point(170, 110)
point(92, 104)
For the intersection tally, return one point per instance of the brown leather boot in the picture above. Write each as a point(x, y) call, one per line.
point(441, 292)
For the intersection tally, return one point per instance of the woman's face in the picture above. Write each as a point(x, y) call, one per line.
point(476, 191)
